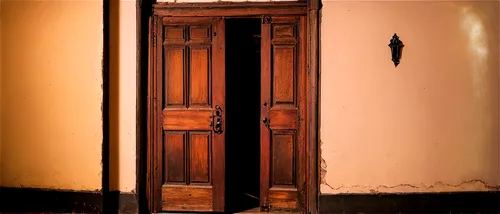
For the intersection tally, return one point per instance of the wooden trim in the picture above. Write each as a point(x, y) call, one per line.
point(219, 98)
point(312, 106)
point(230, 9)
point(139, 97)
point(451, 202)
point(265, 82)
point(230, 5)
point(314, 5)
point(302, 77)
point(157, 113)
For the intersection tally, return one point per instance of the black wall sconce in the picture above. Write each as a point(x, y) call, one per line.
point(396, 46)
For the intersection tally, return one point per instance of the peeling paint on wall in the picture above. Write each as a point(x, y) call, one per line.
point(478, 185)
point(323, 168)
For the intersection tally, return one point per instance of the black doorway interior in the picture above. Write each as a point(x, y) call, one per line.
point(242, 114)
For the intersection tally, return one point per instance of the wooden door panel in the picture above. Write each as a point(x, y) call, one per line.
point(187, 198)
point(199, 147)
point(190, 82)
point(283, 118)
point(199, 76)
point(283, 105)
point(283, 30)
point(283, 198)
point(175, 157)
point(195, 192)
point(175, 33)
point(283, 78)
point(174, 78)
point(187, 119)
point(200, 33)
point(283, 150)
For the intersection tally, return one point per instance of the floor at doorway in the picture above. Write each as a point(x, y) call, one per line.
point(256, 210)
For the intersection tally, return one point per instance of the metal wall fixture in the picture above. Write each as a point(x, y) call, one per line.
point(396, 46)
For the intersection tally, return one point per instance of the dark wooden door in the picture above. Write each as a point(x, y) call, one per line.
point(283, 113)
point(189, 103)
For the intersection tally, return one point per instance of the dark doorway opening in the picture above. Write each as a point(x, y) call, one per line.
point(242, 114)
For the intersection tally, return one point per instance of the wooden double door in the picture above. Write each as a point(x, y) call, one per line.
point(186, 130)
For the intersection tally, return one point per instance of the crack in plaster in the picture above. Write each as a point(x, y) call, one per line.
point(323, 167)
point(421, 186)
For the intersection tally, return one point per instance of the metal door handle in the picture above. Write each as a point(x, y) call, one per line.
point(217, 120)
point(266, 123)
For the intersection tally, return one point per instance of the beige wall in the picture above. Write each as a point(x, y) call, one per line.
point(123, 96)
point(51, 94)
point(431, 124)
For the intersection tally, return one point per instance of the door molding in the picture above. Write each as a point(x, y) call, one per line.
point(230, 9)
point(146, 8)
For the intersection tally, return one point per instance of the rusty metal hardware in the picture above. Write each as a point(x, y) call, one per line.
point(216, 122)
point(266, 123)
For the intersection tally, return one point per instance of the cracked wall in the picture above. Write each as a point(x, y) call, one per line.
point(429, 125)
point(51, 91)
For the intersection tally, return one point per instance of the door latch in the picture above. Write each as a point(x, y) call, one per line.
point(216, 123)
point(266, 123)
point(264, 208)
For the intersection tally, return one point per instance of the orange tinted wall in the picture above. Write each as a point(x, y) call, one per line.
point(51, 94)
point(429, 125)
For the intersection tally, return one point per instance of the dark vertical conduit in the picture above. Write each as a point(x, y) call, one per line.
point(105, 108)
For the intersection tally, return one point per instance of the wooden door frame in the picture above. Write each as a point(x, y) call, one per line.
point(146, 8)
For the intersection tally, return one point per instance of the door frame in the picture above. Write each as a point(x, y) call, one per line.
point(145, 9)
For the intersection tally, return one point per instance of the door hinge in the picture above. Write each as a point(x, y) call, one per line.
point(266, 20)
